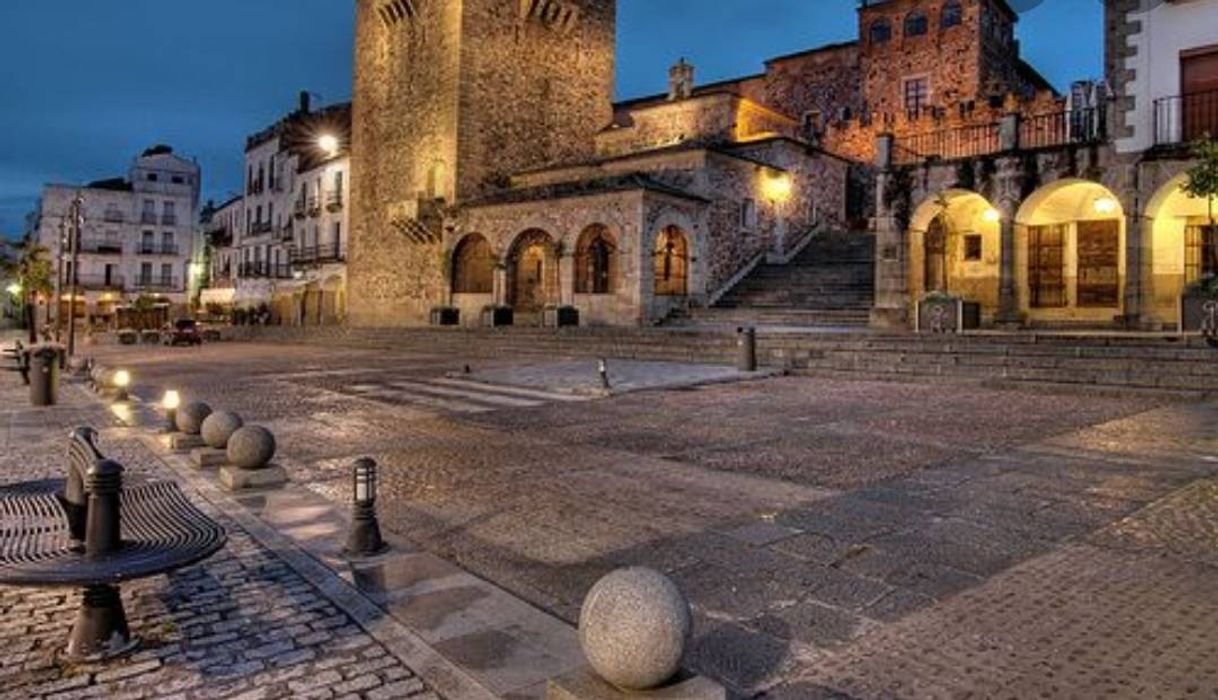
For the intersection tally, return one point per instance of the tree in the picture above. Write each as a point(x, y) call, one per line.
point(32, 271)
point(1202, 181)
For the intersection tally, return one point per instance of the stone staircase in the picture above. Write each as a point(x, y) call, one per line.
point(830, 283)
point(1111, 362)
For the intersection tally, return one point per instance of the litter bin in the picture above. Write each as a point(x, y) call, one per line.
point(44, 375)
point(746, 346)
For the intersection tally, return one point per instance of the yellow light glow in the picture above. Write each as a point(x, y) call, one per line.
point(122, 379)
point(1105, 205)
point(991, 216)
point(778, 187)
point(329, 144)
point(14, 289)
point(171, 401)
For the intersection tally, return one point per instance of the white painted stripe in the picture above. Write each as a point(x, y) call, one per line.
point(512, 390)
point(483, 396)
point(399, 395)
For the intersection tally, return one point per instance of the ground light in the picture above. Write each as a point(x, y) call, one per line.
point(122, 381)
point(170, 403)
point(364, 540)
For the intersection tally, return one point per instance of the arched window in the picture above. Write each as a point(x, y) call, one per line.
point(595, 269)
point(672, 263)
point(953, 14)
point(916, 24)
point(473, 266)
point(881, 31)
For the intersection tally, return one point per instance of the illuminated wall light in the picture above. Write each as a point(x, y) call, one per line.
point(778, 188)
point(991, 216)
point(1106, 205)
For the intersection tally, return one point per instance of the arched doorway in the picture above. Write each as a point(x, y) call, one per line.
point(595, 261)
point(1072, 246)
point(1184, 247)
point(955, 247)
point(671, 259)
point(532, 272)
point(473, 266)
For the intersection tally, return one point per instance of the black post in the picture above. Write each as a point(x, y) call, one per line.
point(365, 539)
point(101, 629)
point(104, 483)
point(602, 367)
point(746, 344)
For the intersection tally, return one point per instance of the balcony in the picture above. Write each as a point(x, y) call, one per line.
point(148, 217)
point(287, 232)
point(113, 216)
point(264, 270)
point(261, 227)
point(102, 247)
point(160, 283)
point(100, 282)
point(300, 208)
point(169, 220)
point(314, 206)
point(317, 255)
point(162, 249)
point(334, 201)
point(1182, 119)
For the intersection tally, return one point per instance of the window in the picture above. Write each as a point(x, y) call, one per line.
point(167, 243)
point(145, 273)
point(972, 247)
point(748, 214)
point(177, 180)
point(166, 274)
point(916, 24)
point(1200, 250)
point(917, 96)
point(152, 177)
point(146, 242)
point(594, 264)
point(953, 14)
point(881, 31)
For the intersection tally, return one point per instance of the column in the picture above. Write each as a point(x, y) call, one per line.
point(500, 289)
point(1009, 312)
point(892, 300)
point(566, 279)
point(1139, 287)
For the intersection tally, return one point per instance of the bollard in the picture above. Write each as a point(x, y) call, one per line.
point(746, 346)
point(603, 368)
point(365, 539)
point(104, 484)
point(44, 376)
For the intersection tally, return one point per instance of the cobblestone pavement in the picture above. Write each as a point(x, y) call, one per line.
point(837, 538)
point(240, 625)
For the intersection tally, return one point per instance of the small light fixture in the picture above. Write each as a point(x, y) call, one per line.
point(778, 187)
point(329, 144)
point(122, 381)
point(14, 289)
point(991, 216)
point(170, 403)
point(1106, 205)
point(365, 539)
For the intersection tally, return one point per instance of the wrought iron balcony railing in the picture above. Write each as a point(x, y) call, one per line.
point(1185, 118)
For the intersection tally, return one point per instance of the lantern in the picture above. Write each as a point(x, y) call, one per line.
point(365, 539)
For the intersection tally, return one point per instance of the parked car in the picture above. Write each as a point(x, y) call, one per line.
point(185, 332)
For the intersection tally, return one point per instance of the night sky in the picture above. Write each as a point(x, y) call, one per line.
point(88, 84)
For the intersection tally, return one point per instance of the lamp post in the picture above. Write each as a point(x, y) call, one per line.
point(78, 220)
point(329, 145)
point(170, 403)
point(365, 539)
point(122, 381)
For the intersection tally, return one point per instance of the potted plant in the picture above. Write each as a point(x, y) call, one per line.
point(495, 315)
point(560, 316)
point(940, 312)
point(445, 316)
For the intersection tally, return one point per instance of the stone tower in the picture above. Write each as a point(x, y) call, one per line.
point(451, 97)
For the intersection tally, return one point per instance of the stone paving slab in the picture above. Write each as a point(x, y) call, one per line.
point(625, 376)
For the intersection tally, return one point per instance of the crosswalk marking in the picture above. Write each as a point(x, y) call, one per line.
point(482, 396)
point(391, 395)
point(455, 395)
point(513, 390)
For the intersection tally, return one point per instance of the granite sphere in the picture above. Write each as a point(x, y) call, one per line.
point(190, 417)
point(219, 427)
point(251, 447)
point(634, 627)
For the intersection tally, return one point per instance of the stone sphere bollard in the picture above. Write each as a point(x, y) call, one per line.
point(251, 447)
point(219, 427)
point(190, 417)
point(634, 627)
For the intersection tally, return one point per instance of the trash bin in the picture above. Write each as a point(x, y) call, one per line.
point(746, 345)
point(44, 375)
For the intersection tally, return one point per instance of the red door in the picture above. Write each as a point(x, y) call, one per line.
point(1199, 88)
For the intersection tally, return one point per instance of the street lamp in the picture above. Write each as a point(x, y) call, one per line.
point(14, 289)
point(329, 144)
point(364, 540)
point(122, 380)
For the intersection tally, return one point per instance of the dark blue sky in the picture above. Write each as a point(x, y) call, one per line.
point(89, 83)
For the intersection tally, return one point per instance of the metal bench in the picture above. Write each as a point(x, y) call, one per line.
point(90, 532)
point(21, 359)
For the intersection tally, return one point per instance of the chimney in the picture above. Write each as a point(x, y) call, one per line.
point(304, 101)
point(680, 81)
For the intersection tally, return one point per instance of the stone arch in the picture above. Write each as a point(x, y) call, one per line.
point(954, 246)
point(1070, 252)
point(473, 266)
point(532, 271)
point(596, 261)
point(672, 257)
point(1183, 244)
point(333, 300)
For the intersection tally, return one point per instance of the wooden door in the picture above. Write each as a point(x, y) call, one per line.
point(1046, 266)
point(1199, 88)
point(1099, 263)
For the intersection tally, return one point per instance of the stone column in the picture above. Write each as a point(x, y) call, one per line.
point(1139, 287)
point(892, 300)
point(1008, 293)
point(500, 287)
point(566, 279)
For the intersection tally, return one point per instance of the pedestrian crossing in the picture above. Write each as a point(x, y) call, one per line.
point(453, 395)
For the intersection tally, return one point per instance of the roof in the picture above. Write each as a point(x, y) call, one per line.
point(1029, 72)
point(583, 188)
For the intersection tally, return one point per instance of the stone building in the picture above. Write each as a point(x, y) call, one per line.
point(1072, 217)
point(138, 236)
point(282, 244)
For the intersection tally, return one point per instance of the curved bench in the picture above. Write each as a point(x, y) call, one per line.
point(128, 533)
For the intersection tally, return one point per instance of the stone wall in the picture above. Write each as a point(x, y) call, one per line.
point(720, 117)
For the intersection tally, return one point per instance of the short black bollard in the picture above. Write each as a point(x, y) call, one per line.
point(746, 346)
point(44, 376)
point(104, 484)
point(365, 539)
point(603, 369)
point(101, 629)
